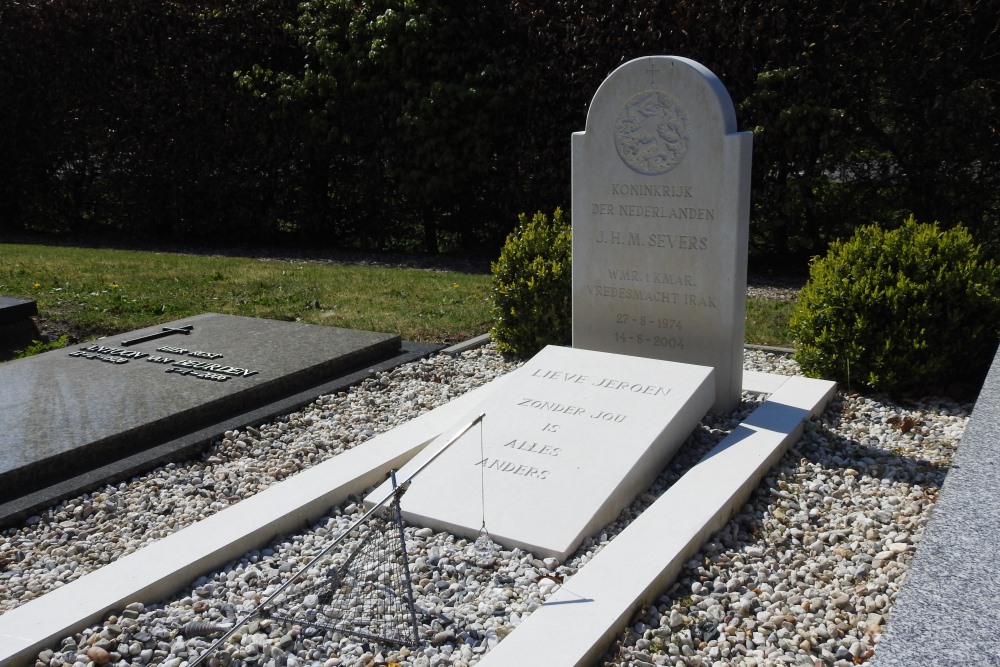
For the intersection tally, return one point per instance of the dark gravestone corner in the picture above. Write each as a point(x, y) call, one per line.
point(17, 329)
point(75, 418)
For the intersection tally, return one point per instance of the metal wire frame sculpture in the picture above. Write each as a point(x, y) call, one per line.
point(380, 611)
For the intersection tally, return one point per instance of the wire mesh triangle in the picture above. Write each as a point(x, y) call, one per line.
point(365, 592)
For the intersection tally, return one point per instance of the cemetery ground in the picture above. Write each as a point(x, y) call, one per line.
point(806, 573)
point(86, 293)
point(780, 533)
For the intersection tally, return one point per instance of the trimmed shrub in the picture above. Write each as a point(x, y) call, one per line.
point(905, 311)
point(532, 284)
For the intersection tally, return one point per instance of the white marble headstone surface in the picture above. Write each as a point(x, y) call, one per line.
point(566, 443)
point(661, 196)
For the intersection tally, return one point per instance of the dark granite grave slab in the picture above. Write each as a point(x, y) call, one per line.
point(14, 310)
point(68, 411)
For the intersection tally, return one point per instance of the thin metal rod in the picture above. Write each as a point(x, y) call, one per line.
point(256, 610)
point(396, 489)
point(397, 518)
point(440, 451)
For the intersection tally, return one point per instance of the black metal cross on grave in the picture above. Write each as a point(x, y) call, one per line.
point(652, 72)
point(167, 331)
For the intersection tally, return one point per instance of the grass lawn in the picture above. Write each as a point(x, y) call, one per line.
point(767, 322)
point(87, 293)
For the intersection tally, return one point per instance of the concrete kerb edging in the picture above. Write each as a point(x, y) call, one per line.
point(769, 348)
point(946, 612)
point(471, 344)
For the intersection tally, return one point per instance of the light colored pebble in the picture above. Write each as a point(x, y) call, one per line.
point(807, 570)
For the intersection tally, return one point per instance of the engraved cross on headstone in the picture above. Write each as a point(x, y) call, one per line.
point(167, 331)
point(652, 73)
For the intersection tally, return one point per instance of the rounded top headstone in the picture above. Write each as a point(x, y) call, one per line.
point(661, 200)
point(652, 126)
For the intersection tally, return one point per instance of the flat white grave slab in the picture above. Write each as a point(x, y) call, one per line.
point(594, 606)
point(570, 440)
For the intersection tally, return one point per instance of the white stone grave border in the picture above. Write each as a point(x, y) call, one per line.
point(594, 605)
point(676, 525)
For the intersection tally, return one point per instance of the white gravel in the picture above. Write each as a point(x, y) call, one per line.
point(805, 574)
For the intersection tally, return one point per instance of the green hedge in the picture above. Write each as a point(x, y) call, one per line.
point(911, 310)
point(532, 286)
point(389, 124)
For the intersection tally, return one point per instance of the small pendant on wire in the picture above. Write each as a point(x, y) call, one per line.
point(485, 550)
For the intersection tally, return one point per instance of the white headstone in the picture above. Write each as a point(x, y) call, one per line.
point(661, 197)
point(566, 443)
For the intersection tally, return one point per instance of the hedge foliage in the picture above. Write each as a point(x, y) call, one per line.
point(121, 117)
point(904, 311)
point(532, 286)
point(429, 125)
